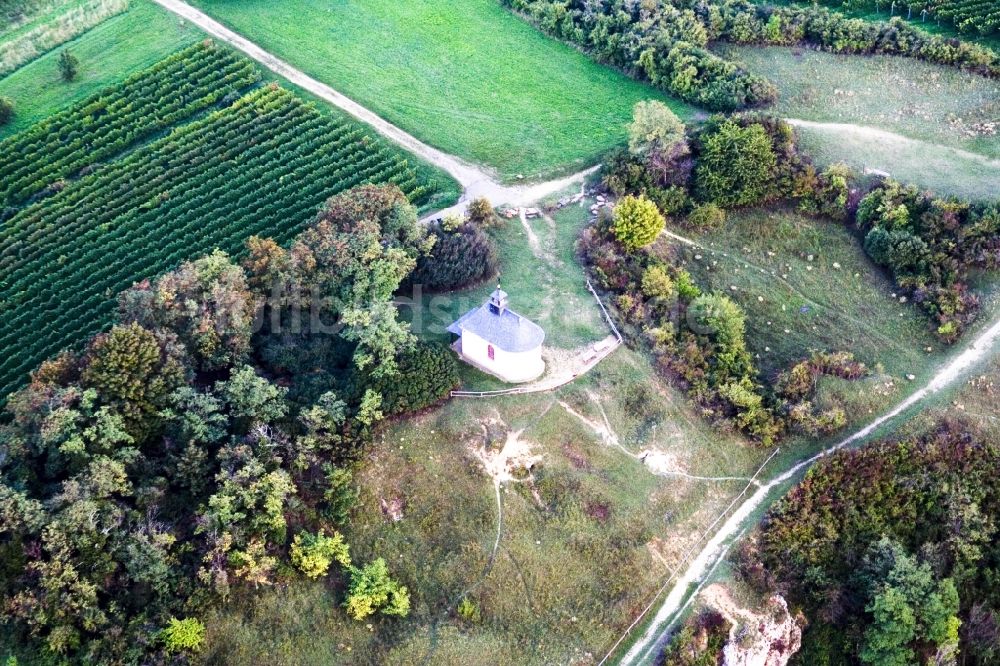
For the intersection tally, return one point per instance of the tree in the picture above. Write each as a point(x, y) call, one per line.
point(181, 635)
point(206, 302)
point(637, 222)
point(736, 166)
point(132, 373)
point(251, 398)
point(69, 65)
point(654, 128)
point(656, 135)
point(907, 605)
point(371, 589)
point(6, 110)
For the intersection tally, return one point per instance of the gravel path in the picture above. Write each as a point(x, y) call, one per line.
point(475, 181)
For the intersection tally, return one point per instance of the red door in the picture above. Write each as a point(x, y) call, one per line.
point(490, 352)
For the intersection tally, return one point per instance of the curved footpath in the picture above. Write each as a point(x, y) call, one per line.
point(644, 650)
point(475, 181)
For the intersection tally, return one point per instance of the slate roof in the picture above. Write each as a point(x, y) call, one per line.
point(508, 330)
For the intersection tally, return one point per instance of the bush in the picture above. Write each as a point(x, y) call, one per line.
point(736, 165)
point(69, 65)
point(426, 375)
point(312, 554)
point(6, 110)
point(482, 213)
point(181, 635)
point(371, 589)
point(706, 217)
point(459, 258)
point(637, 222)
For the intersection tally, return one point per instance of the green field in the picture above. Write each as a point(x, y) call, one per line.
point(465, 76)
point(108, 53)
point(949, 120)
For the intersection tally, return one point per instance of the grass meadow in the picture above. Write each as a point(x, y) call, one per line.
point(108, 53)
point(585, 540)
point(941, 110)
point(465, 76)
point(587, 535)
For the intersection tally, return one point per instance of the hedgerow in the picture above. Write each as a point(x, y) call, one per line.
point(982, 16)
point(261, 166)
point(665, 41)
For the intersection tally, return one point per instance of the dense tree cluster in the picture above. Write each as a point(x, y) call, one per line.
point(729, 162)
point(205, 442)
point(665, 41)
point(891, 551)
point(929, 245)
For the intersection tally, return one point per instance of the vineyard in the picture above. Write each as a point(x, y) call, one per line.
point(969, 15)
point(262, 165)
point(982, 16)
point(115, 119)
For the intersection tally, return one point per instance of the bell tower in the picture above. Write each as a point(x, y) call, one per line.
point(498, 301)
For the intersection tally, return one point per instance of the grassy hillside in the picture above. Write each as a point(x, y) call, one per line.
point(938, 113)
point(465, 76)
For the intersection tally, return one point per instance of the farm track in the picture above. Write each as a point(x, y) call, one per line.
point(475, 181)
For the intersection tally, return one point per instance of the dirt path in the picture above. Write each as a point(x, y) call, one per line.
point(644, 650)
point(884, 135)
point(475, 181)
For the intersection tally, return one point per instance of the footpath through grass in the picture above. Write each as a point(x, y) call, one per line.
point(108, 53)
point(465, 76)
point(940, 109)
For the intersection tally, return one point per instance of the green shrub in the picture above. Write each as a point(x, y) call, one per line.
point(656, 283)
point(312, 554)
point(469, 611)
point(371, 589)
point(637, 222)
point(181, 635)
point(736, 165)
point(706, 217)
